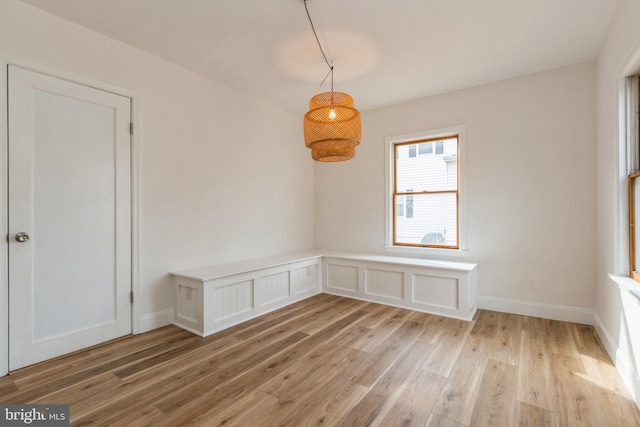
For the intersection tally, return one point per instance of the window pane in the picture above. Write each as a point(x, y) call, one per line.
point(399, 205)
point(425, 148)
point(428, 173)
point(412, 151)
point(434, 221)
point(409, 207)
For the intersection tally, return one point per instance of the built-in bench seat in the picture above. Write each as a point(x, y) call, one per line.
point(213, 298)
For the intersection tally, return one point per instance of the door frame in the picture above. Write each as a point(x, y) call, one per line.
point(136, 139)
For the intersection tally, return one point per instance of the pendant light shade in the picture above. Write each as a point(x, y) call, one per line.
point(332, 127)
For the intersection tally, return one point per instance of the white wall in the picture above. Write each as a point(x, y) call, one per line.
point(530, 188)
point(222, 176)
point(617, 312)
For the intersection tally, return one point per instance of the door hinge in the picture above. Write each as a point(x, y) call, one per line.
point(131, 296)
point(131, 128)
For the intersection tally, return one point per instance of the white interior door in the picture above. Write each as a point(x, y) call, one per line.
point(69, 217)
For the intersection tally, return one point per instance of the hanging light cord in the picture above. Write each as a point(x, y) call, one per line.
point(320, 46)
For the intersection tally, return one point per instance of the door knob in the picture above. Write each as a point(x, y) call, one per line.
point(22, 237)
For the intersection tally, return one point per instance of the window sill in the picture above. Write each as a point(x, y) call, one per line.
point(457, 253)
point(627, 284)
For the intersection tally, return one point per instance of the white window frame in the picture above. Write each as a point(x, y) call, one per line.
point(389, 171)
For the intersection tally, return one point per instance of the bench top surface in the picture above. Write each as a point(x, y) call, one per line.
point(418, 262)
point(224, 270)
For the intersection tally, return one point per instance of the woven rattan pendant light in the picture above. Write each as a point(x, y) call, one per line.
point(332, 127)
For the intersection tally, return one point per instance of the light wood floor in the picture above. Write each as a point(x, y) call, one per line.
point(338, 362)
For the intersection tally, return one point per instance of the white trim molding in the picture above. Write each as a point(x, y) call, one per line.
point(152, 321)
point(4, 273)
point(624, 367)
point(460, 132)
point(534, 309)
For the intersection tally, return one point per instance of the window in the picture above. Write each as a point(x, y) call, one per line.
point(412, 150)
point(428, 188)
point(633, 166)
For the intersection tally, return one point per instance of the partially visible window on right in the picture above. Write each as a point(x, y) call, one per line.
point(633, 168)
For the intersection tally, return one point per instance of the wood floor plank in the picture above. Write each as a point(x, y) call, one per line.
point(249, 410)
point(561, 338)
point(419, 317)
point(331, 403)
point(587, 342)
point(462, 390)
point(159, 359)
point(333, 313)
point(289, 314)
point(196, 354)
point(507, 339)
point(149, 416)
point(535, 371)
point(389, 385)
point(378, 315)
point(381, 331)
point(7, 386)
point(255, 375)
point(496, 402)
point(448, 347)
point(413, 407)
point(207, 373)
point(82, 391)
point(334, 356)
point(131, 398)
point(579, 400)
point(618, 407)
point(55, 384)
point(200, 362)
point(435, 327)
point(174, 401)
point(436, 420)
point(603, 378)
point(98, 355)
point(534, 416)
point(379, 361)
point(304, 365)
point(486, 324)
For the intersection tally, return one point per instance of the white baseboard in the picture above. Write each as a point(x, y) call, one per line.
point(621, 361)
point(152, 321)
point(546, 311)
point(397, 304)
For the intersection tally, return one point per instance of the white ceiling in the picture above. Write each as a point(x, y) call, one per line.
point(384, 51)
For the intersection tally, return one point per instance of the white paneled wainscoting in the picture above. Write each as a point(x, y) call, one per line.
point(438, 287)
point(209, 299)
point(213, 298)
